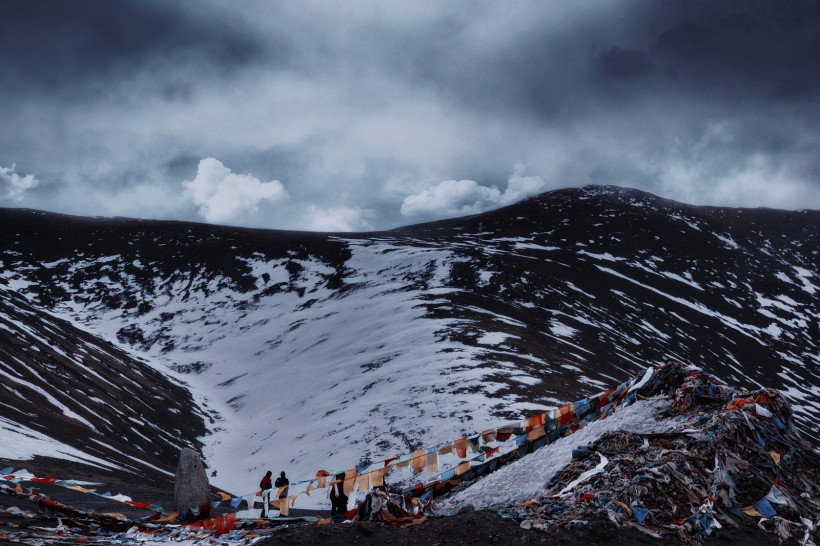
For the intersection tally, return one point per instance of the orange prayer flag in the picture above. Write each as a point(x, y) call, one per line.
point(566, 416)
point(417, 460)
point(461, 447)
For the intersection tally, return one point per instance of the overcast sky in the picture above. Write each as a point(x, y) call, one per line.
point(360, 115)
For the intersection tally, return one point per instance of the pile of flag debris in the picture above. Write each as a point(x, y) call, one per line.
point(736, 460)
point(73, 525)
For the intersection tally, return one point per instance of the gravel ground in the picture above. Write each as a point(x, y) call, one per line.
point(484, 527)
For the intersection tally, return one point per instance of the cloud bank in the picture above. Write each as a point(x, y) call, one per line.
point(460, 197)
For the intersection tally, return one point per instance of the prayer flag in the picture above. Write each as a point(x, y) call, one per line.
point(350, 481)
point(535, 434)
point(504, 434)
point(417, 462)
point(489, 435)
point(765, 508)
point(461, 447)
point(364, 482)
point(431, 463)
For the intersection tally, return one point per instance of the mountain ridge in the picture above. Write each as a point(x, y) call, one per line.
point(389, 338)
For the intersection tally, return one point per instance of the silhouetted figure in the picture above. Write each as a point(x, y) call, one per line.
point(282, 482)
point(338, 499)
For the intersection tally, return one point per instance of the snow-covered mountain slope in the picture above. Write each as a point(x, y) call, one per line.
point(323, 351)
point(67, 395)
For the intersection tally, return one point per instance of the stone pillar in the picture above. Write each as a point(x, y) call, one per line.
point(191, 488)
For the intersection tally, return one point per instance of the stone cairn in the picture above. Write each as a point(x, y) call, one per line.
point(192, 492)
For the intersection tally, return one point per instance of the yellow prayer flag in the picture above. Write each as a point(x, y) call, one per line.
point(81, 489)
point(377, 477)
point(169, 517)
point(431, 463)
point(751, 511)
point(535, 433)
point(624, 506)
point(115, 515)
point(364, 482)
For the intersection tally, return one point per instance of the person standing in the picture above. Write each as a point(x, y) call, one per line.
point(282, 483)
point(338, 499)
point(265, 485)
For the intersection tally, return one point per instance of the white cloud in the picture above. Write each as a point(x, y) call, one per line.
point(16, 184)
point(335, 219)
point(460, 197)
point(222, 195)
point(520, 186)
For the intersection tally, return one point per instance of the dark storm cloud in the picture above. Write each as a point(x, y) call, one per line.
point(52, 46)
point(361, 107)
point(758, 50)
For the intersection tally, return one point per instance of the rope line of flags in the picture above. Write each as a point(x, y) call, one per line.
point(469, 456)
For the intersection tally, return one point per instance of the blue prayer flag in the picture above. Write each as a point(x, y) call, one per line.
point(640, 513)
point(765, 508)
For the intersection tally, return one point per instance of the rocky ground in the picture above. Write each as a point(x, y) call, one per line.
point(484, 527)
point(466, 527)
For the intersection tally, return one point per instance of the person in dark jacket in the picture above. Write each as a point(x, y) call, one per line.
point(266, 485)
point(282, 481)
point(338, 499)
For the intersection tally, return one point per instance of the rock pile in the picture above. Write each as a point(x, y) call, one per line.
point(736, 460)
